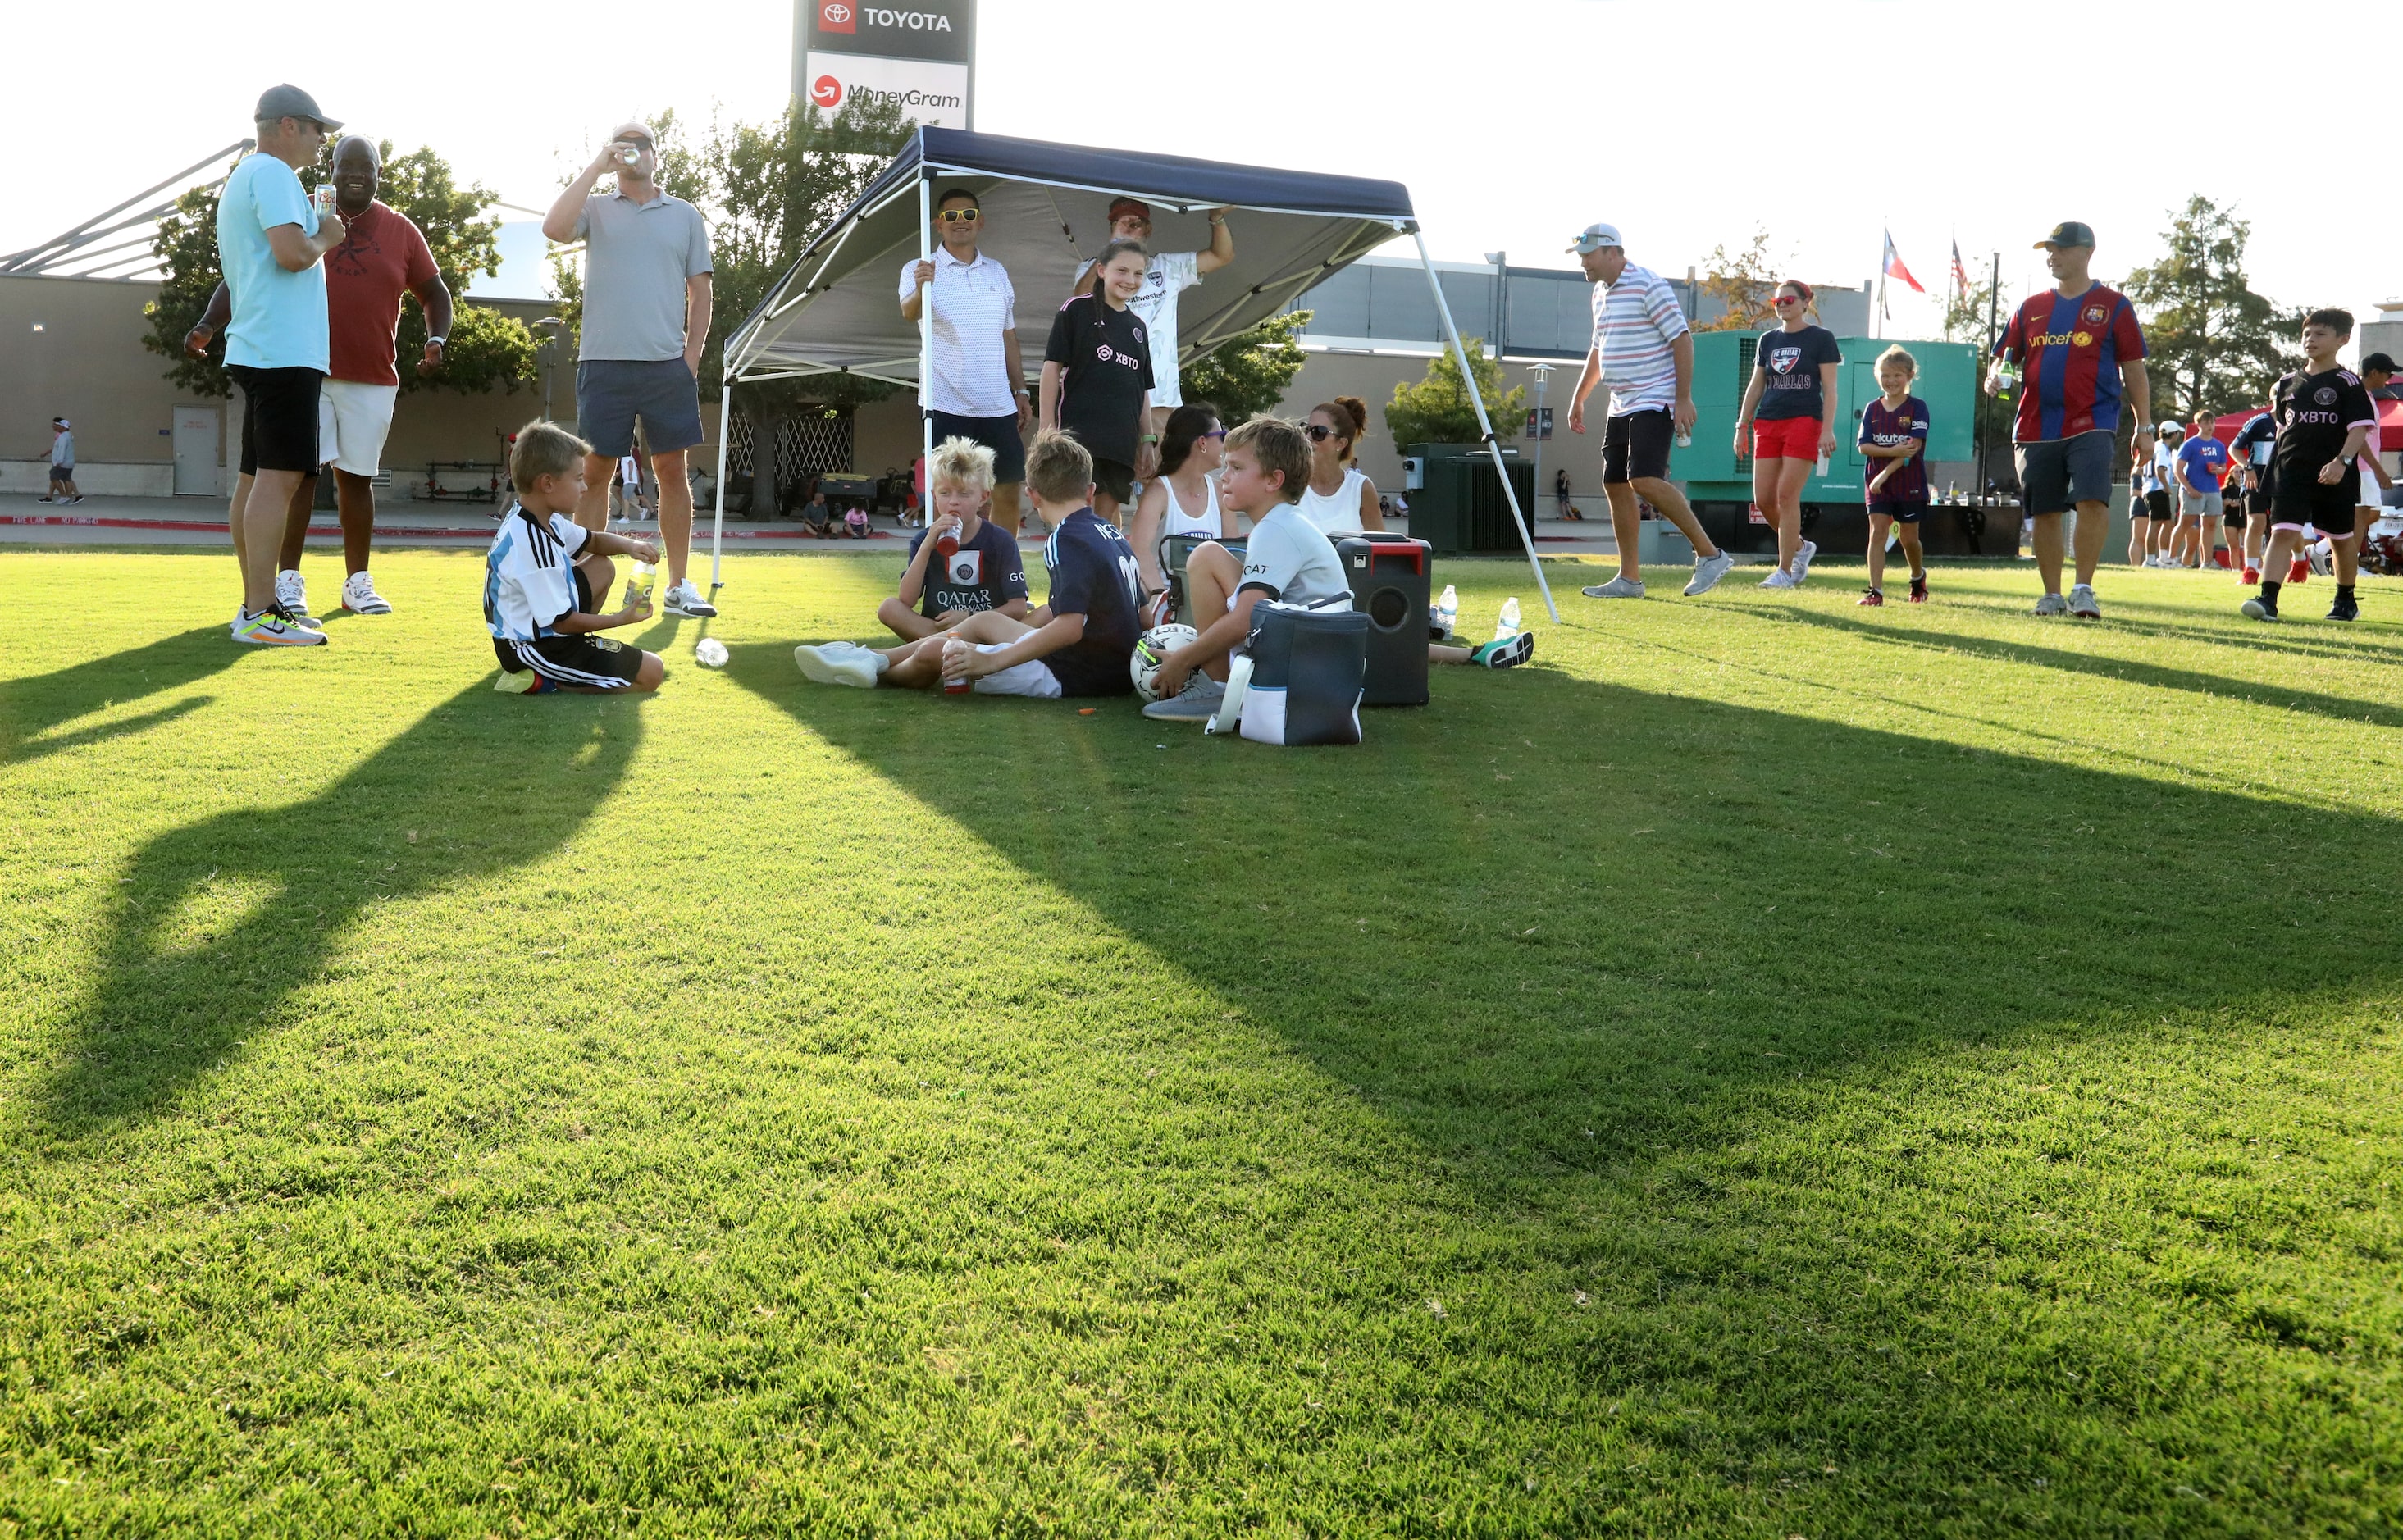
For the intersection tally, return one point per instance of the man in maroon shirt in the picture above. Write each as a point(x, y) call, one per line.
point(383, 257)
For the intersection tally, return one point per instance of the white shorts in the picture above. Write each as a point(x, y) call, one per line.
point(1033, 679)
point(352, 422)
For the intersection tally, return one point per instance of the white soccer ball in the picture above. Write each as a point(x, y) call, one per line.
point(1151, 649)
point(709, 652)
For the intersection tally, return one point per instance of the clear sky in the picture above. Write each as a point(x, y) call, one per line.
point(1512, 121)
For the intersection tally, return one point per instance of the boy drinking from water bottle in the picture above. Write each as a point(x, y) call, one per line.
point(544, 577)
point(961, 563)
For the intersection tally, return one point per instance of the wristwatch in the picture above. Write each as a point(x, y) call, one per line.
point(1151, 439)
point(437, 341)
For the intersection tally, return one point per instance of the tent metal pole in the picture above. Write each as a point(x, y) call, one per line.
point(926, 325)
point(1494, 447)
point(725, 437)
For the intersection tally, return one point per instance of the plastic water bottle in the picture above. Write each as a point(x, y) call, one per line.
point(638, 583)
point(1506, 626)
point(956, 683)
point(1447, 611)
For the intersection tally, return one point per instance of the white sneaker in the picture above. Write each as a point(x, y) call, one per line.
point(1617, 588)
point(1707, 573)
point(2052, 604)
point(1803, 560)
point(1780, 578)
point(359, 596)
point(833, 665)
point(2082, 604)
point(686, 600)
point(292, 592)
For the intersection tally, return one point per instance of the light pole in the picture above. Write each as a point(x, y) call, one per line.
point(550, 326)
point(1543, 373)
point(1500, 260)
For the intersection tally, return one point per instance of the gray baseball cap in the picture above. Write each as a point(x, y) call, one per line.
point(292, 102)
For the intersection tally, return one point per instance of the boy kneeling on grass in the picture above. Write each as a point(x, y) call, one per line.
point(543, 573)
point(1077, 645)
point(1285, 559)
point(982, 571)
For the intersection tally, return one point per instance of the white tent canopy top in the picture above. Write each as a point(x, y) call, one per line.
point(1046, 205)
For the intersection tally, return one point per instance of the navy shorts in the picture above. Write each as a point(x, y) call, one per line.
point(611, 393)
point(997, 434)
point(2057, 473)
point(1901, 510)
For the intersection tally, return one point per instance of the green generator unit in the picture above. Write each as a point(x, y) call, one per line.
point(1456, 501)
point(1718, 481)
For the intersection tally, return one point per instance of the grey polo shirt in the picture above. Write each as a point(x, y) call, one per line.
point(637, 258)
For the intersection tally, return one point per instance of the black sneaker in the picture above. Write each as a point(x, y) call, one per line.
point(2345, 608)
point(2258, 609)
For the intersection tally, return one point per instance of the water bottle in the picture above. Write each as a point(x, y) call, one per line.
point(1447, 612)
point(956, 683)
point(1507, 626)
point(947, 545)
point(626, 154)
point(638, 583)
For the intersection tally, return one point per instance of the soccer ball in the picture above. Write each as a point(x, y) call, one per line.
point(1151, 649)
point(709, 652)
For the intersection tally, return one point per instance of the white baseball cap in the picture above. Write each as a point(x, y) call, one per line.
point(2171, 425)
point(1596, 236)
point(59, 422)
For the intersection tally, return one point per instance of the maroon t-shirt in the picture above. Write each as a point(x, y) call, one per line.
point(383, 257)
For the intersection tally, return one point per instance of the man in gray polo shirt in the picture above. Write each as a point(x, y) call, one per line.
point(646, 276)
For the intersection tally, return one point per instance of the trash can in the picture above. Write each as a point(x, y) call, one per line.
point(1458, 504)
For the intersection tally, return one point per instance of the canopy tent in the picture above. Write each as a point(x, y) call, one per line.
point(837, 310)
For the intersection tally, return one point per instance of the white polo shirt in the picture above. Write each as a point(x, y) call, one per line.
point(972, 304)
point(1634, 322)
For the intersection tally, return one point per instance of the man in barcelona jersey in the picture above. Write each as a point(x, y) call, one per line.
point(2081, 351)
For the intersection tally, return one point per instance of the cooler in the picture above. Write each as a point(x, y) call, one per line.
point(1390, 575)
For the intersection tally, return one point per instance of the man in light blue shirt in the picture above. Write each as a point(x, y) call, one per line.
point(269, 240)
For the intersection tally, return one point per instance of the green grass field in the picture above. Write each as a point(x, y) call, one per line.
point(1769, 1069)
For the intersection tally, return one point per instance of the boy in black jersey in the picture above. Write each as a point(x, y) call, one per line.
point(2324, 416)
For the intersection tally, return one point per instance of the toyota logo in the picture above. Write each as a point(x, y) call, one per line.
point(837, 13)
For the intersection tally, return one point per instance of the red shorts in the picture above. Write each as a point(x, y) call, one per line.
point(1786, 438)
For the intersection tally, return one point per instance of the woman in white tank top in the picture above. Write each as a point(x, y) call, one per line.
point(1340, 500)
point(1183, 499)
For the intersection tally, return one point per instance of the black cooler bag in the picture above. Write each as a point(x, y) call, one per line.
point(1308, 669)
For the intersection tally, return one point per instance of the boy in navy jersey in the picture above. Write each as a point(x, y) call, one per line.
point(1894, 438)
point(982, 572)
point(2324, 415)
point(1077, 645)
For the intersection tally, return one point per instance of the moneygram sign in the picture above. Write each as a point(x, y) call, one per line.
point(921, 55)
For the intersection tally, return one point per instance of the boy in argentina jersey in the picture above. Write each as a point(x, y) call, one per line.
point(2324, 415)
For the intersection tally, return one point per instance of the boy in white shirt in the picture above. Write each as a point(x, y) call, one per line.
point(544, 577)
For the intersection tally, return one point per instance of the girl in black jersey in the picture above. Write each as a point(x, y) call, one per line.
point(1097, 379)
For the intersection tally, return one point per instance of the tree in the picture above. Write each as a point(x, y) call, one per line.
point(1744, 282)
point(485, 349)
point(2214, 344)
point(1248, 374)
point(1438, 410)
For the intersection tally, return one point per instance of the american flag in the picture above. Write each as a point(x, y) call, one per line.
point(1960, 273)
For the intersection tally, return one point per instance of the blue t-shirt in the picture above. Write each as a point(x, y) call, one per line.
point(2201, 461)
point(1791, 360)
point(279, 317)
point(984, 574)
point(1093, 574)
point(1887, 428)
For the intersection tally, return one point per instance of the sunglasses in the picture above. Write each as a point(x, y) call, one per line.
point(1213, 433)
point(1319, 432)
point(960, 216)
point(1787, 300)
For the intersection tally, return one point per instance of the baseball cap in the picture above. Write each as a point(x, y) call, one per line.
point(2171, 424)
point(1596, 236)
point(1120, 207)
point(292, 102)
point(2379, 361)
point(60, 423)
point(2069, 232)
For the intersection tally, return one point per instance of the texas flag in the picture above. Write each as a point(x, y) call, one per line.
point(1894, 267)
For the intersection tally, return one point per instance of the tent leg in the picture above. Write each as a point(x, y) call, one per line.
point(718, 520)
point(927, 338)
point(1491, 444)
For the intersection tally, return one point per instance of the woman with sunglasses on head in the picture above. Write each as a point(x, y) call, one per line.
point(1183, 499)
point(1097, 379)
point(1338, 499)
point(1785, 412)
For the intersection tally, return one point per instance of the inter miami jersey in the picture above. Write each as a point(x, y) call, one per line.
point(1887, 428)
point(2314, 412)
point(2070, 351)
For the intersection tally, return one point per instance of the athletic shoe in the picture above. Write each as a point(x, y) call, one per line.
point(686, 600)
point(524, 682)
point(1617, 588)
point(1707, 573)
point(2320, 559)
point(49, 499)
point(840, 664)
point(2259, 608)
point(1505, 652)
point(1780, 578)
point(2082, 604)
point(77, 498)
point(272, 628)
point(1918, 590)
point(1803, 560)
point(307, 622)
point(292, 594)
point(2251, 577)
point(2219, 558)
point(1198, 703)
point(2297, 570)
point(2345, 608)
point(359, 596)
point(1872, 599)
point(2052, 604)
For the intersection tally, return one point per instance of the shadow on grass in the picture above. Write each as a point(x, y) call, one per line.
point(1544, 905)
point(216, 923)
point(31, 706)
